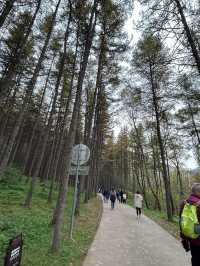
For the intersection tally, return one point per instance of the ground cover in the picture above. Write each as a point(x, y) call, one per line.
point(35, 224)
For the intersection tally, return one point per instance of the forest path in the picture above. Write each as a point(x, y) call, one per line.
point(121, 240)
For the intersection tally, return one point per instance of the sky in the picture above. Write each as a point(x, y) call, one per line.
point(122, 121)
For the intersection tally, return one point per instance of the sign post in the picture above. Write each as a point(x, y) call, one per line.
point(14, 252)
point(80, 156)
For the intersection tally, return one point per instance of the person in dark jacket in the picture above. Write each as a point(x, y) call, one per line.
point(193, 245)
point(112, 198)
point(118, 195)
point(121, 196)
point(104, 195)
point(107, 195)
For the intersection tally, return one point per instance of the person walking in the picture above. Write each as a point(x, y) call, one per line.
point(107, 195)
point(124, 197)
point(118, 195)
point(138, 199)
point(190, 224)
point(121, 196)
point(104, 195)
point(112, 198)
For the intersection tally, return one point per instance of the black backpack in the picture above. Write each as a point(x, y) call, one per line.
point(112, 196)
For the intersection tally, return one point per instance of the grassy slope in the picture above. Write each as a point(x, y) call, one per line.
point(34, 224)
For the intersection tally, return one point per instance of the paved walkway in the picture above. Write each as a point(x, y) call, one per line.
point(121, 240)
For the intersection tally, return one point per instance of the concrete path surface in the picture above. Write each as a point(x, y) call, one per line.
point(122, 241)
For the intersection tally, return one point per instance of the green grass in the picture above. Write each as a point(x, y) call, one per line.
point(34, 223)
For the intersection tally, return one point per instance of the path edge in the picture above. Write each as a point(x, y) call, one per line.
point(97, 227)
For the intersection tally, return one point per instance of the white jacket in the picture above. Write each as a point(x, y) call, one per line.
point(138, 200)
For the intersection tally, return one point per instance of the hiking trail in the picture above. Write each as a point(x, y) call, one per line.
point(121, 240)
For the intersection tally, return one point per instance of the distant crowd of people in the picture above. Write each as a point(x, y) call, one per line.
point(121, 197)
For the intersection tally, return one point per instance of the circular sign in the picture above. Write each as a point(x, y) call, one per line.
point(80, 154)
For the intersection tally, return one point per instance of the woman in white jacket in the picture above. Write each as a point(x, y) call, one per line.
point(138, 203)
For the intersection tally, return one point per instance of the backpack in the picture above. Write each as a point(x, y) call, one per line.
point(189, 223)
point(112, 196)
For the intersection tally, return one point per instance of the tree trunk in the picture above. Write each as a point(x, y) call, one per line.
point(171, 196)
point(158, 186)
point(5, 116)
point(28, 95)
point(190, 39)
point(33, 133)
point(62, 131)
point(142, 186)
point(7, 82)
point(53, 110)
point(162, 151)
point(92, 115)
point(194, 123)
point(60, 207)
point(145, 166)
